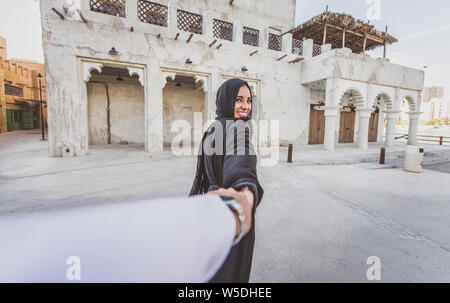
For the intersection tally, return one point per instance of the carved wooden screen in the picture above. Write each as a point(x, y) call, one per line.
point(109, 7)
point(297, 47)
point(189, 22)
point(152, 13)
point(251, 36)
point(275, 42)
point(317, 50)
point(223, 30)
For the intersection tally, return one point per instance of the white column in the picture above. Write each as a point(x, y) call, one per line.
point(207, 29)
point(380, 126)
point(216, 82)
point(363, 133)
point(308, 45)
point(391, 117)
point(203, 82)
point(237, 32)
point(154, 107)
point(255, 110)
point(132, 16)
point(330, 127)
point(413, 123)
point(325, 48)
point(173, 16)
point(286, 44)
point(331, 111)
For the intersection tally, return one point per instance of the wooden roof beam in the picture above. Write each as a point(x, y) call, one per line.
point(358, 34)
point(369, 36)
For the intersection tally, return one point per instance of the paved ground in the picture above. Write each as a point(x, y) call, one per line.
point(316, 223)
point(443, 167)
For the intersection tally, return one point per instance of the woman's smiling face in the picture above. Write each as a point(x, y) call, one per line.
point(243, 103)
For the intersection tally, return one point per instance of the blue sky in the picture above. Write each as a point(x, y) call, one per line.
point(423, 28)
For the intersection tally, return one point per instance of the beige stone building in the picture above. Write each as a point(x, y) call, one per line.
point(432, 92)
point(127, 70)
point(19, 92)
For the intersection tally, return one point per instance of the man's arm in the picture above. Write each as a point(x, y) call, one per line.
point(161, 240)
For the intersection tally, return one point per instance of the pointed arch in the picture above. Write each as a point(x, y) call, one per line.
point(355, 94)
point(411, 103)
point(384, 98)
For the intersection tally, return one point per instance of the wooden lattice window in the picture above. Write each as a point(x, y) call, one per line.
point(250, 36)
point(275, 42)
point(297, 47)
point(317, 50)
point(13, 90)
point(109, 7)
point(223, 30)
point(152, 13)
point(189, 22)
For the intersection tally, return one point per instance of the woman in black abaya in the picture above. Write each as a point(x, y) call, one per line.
point(224, 162)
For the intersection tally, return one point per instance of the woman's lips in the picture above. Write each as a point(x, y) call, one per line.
point(242, 114)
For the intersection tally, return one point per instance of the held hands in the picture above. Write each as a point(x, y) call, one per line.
point(245, 198)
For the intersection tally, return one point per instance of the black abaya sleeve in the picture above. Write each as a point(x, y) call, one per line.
point(239, 167)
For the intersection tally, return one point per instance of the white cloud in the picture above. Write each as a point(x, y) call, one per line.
point(425, 33)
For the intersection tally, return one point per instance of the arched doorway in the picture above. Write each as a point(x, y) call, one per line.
point(386, 118)
point(374, 121)
point(349, 103)
point(413, 119)
point(183, 96)
point(115, 107)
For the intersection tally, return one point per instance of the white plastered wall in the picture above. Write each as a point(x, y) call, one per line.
point(180, 103)
point(127, 108)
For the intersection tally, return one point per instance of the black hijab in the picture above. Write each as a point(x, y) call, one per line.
point(223, 163)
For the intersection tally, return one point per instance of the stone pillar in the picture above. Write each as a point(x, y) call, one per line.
point(203, 83)
point(286, 43)
point(325, 48)
point(413, 123)
point(207, 29)
point(330, 127)
point(132, 15)
point(363, 133)
point(237, 32)
point(263, 38)
point(157, 79)
point(391, 117)
point(172, 26)
point(255, 110)
point(331, 110)
point(308, 45)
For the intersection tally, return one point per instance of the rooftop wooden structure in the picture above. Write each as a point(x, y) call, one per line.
point(342, 30)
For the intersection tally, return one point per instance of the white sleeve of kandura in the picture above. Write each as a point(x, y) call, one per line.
point(160, 240)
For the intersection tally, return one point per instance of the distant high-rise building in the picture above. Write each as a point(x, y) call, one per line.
point(436, 109)
point(432, 92)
